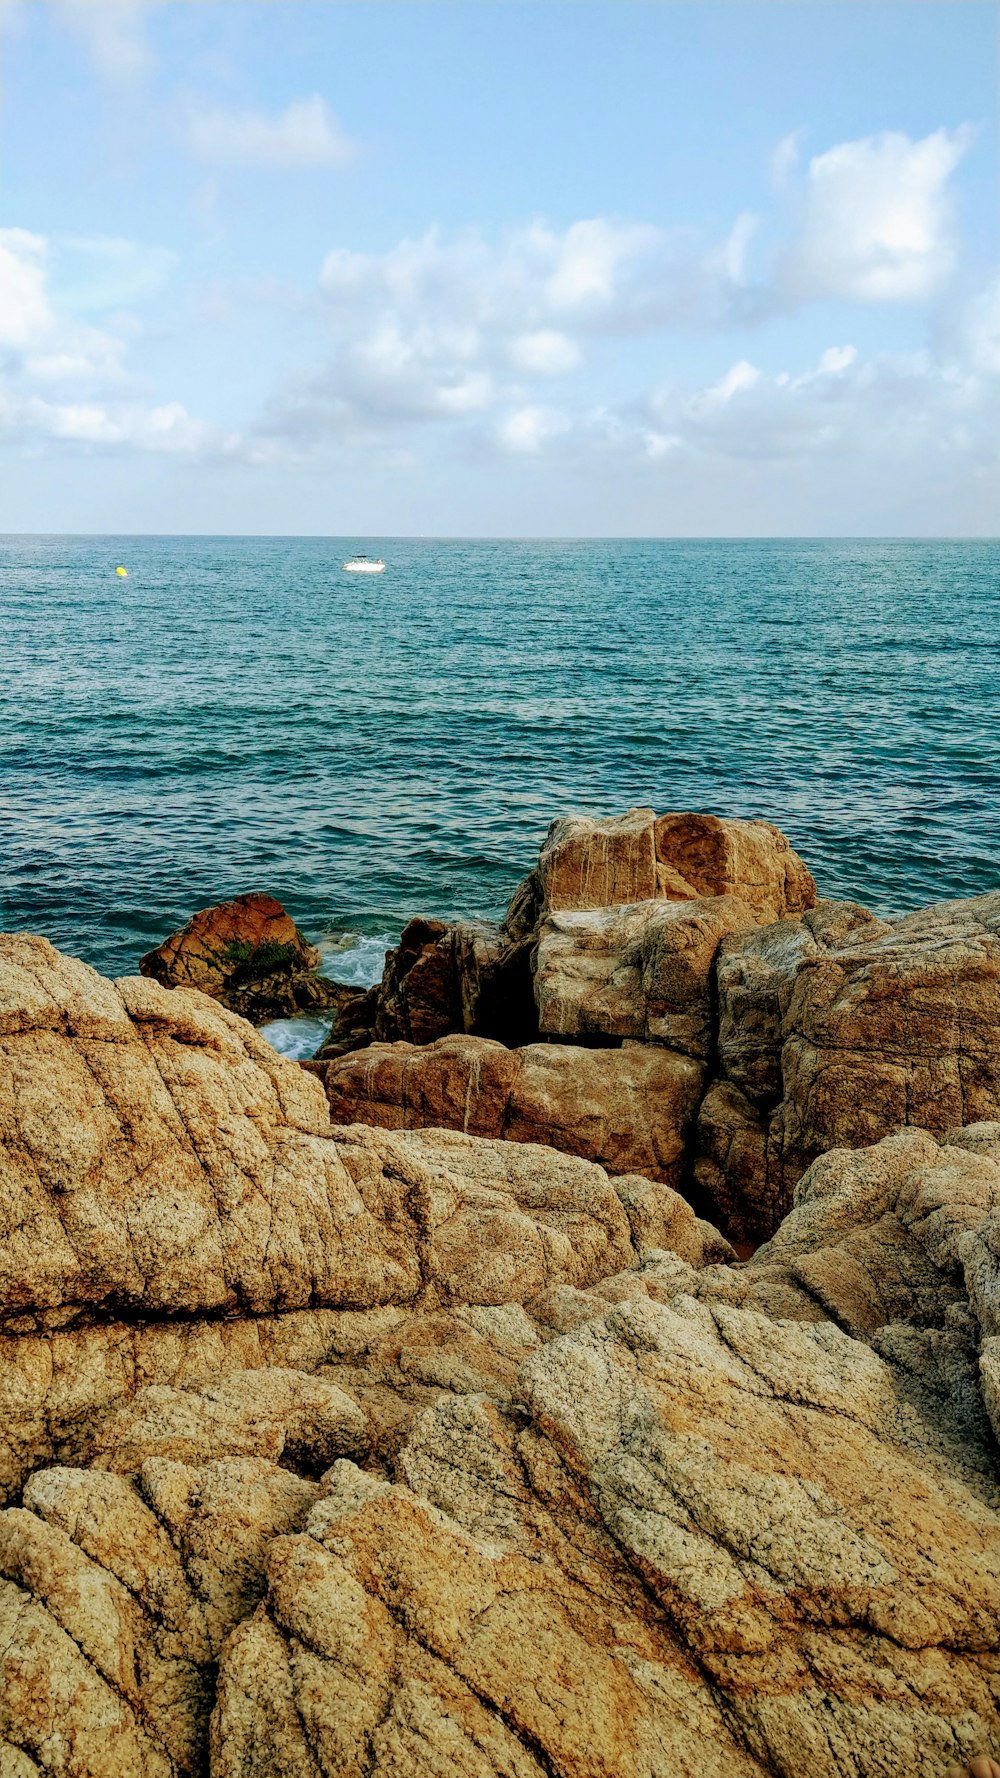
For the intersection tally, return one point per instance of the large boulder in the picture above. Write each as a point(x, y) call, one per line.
point(586, 863)
point(629, 1108)
point(835, 1030)
point(418, 998)
point(473, 976)
point(755, 972)
point(283, 1415)
point(175, 1207)
point(59, 1386)
point(641, 971)
point(624, 1508)
point(116, 1599)
point(249, 954)
point(705, 855)
point(159, 1155)
point(901, 1029)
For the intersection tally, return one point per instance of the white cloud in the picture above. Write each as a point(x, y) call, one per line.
point(739, 377)
point(785, 157)
point(972, 334)
point(898, 412)
point(527, 429)
point(545, 352)
point(836, 359)
point(305, 134)
point(466, 334)
point(731, 259)
point(114, 34)
point(167, 428)
point(66, 382)
point(24, 306)
point(876, 220)
point(589, 259)
point(871, 222)
point(437, 327)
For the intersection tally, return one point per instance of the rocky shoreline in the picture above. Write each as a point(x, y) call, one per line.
point(409, 1411)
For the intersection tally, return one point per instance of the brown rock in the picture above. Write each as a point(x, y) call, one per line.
point(693, 1494)
point(904, 1029)
point(419, 998)
point(597, 864)
point(523, 910)
point(493, 967)
point(249, 954)
point(640, 856)
point(115, 1605)
point(629, 1109)
point(643, 971)
point(282, 1415)
point(739, 1177)
point(353, 1023)
point(755, 974)
point(836, 1030)
point(441, 980)
point(57, 1388)
point(703, 855)
point(162, 1157)
point(396, 1363)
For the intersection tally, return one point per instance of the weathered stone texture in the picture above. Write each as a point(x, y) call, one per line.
point(838, 1029)
point(423, 1453)
point(630, 1109)
point(249, 954)
point(695, 1496)
point(588, 863)
point(642, 971)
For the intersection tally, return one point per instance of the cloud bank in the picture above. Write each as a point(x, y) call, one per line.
point(521, 346)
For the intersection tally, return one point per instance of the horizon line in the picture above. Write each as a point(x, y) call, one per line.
point(539, 536)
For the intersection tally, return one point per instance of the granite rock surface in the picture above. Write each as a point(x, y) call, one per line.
point(426, 1452)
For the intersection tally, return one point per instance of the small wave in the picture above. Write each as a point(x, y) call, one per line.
point(298, 1039)
point(355, 957)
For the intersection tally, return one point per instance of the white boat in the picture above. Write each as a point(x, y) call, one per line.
point(363, 565)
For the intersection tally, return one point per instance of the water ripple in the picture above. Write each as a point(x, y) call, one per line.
point(237, 714)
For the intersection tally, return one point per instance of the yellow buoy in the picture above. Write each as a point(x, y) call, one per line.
point(123, 572)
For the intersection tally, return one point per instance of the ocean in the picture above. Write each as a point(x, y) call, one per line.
point(240, 714)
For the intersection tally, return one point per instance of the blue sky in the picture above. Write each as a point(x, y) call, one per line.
point(489, 268)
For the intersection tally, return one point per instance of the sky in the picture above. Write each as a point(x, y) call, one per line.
point(484, 268)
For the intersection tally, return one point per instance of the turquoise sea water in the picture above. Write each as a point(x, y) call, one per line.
point(239, 714)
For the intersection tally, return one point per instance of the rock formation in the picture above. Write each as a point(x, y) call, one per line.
point(628, 1109)
point(249, 954)
point(703, 1019)
point(419, 1451)
point(835, 1031)
point(474, 977)
point(640, 857)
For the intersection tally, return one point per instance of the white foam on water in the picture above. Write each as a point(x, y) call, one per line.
point(352, 957)
point(296, 1038)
